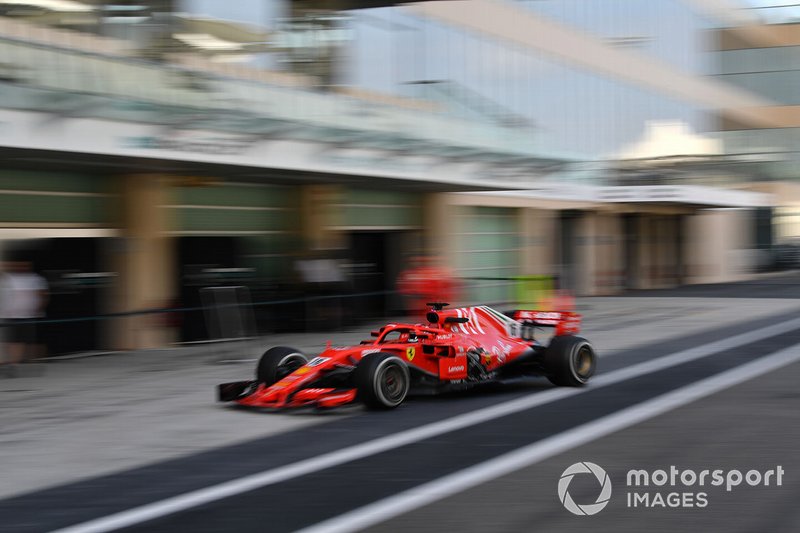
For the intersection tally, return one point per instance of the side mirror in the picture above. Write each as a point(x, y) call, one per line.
point(375, 333)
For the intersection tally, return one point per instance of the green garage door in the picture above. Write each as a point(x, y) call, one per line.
point(262, 216)
point(60, 199)
point(488, 247)
point(361, 209)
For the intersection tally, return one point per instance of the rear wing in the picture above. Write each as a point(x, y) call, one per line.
point(564, 322)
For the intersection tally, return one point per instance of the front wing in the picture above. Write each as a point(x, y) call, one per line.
point(254, 394)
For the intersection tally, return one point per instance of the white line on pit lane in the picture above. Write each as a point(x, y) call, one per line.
point(227, 489)
point(455, 483)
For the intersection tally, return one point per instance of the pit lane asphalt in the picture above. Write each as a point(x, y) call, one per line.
point(752, 425)
point(92, 416)
point(778, 286)
point(306, 500)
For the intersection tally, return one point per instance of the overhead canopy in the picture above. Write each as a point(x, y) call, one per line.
point(670, 153)
point(62, 6)
point(223, 30)
point(689, 196)
point(344, 5)
point(214, 36)
point(670, 139)
point(205, 41)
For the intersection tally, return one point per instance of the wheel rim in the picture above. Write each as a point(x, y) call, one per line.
point(584, 360)
point(392, 384)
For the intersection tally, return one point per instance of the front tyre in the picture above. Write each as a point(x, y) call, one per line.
point(277, 363)
point(382, 380)
point(569, 361)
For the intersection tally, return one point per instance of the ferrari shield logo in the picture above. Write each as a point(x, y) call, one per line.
point(410, 353)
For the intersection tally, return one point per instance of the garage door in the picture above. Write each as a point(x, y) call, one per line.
point(488, 253)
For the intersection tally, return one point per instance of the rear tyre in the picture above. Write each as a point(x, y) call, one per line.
point(382, 380)
point(277, 363)
point(569, 361)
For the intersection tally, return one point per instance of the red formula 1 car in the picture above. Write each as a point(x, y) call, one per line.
point(457, 349)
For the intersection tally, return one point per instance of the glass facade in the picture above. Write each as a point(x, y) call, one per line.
point(773, 73)
point(53, 79)
point(667, 30)
point(487, 99)
point(775, 152)
point(573, 109)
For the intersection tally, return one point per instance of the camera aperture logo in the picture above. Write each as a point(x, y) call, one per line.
point(670, 487)
point(585, 509)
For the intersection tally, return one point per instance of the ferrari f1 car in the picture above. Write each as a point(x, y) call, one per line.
point(456, 349)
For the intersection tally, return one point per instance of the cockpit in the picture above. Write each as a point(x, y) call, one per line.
point(399, 335)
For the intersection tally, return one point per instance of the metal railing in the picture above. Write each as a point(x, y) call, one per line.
point(230, 314)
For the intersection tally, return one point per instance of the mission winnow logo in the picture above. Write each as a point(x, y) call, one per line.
point(664, 488)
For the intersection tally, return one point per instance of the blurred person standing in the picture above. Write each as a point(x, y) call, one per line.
point(324, 282)
point(23, 297)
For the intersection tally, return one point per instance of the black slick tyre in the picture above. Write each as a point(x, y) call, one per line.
point(277, 363)
point(382, 380)
point(570, 361)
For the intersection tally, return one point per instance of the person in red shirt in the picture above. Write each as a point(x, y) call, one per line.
point(425, 281)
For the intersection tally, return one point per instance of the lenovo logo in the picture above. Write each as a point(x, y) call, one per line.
point(459, 368)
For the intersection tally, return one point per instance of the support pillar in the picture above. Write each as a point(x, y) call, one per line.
point(145, 263)
point(319, 217)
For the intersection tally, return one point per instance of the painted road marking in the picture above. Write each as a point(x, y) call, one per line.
point(404, 502)
point(227, 489)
